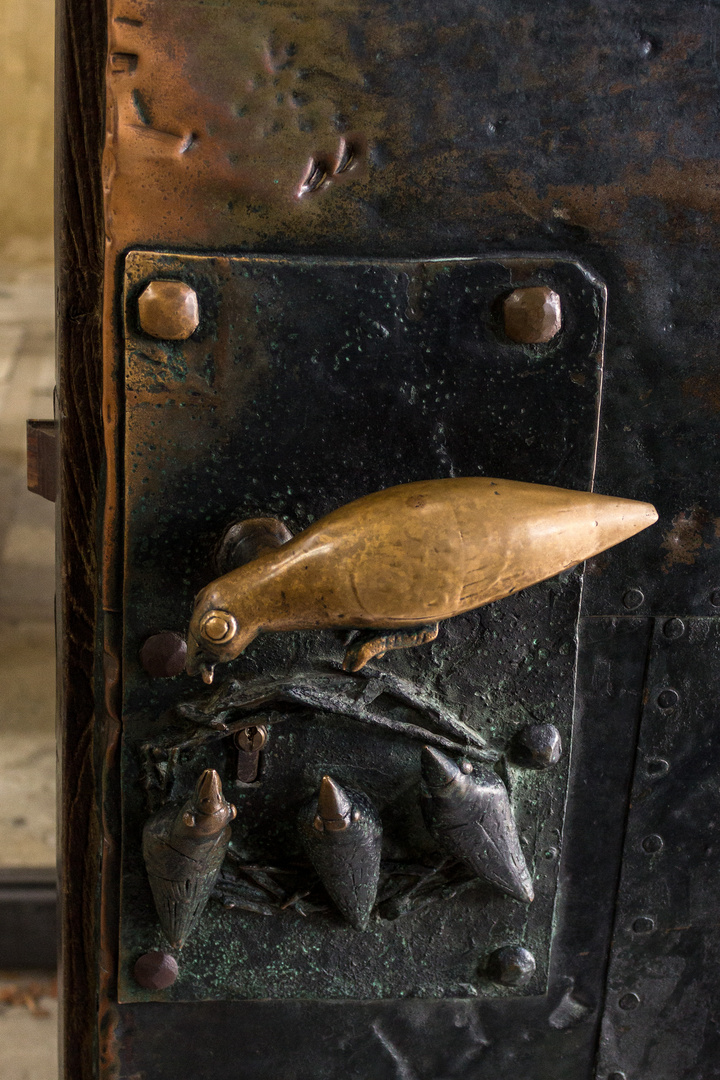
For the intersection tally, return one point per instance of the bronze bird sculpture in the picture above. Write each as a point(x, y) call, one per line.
point(469, 814)
point(397, 562)
point(342, 836)
point(183, 848)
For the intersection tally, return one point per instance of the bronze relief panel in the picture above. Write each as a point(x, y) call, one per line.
point(399, 815)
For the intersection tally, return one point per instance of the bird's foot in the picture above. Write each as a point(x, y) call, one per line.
point(373, 643)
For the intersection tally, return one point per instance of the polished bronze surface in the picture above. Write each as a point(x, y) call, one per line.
point(169, 310)
point(251, 739)
point(334, 807)
point(408, 556)
point(532, 316)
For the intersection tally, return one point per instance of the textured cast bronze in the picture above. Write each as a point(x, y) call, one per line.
point(532, 316)
point(407, 557)
point(342, 835)
point(183, 848)
point(469, 815)
point(169, 310)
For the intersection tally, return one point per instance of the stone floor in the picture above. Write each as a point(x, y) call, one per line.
point(28, 1009)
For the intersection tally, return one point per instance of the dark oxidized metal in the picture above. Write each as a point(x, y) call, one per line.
point(343, 838)
point(183, 849)
point(538, 746)
point(381, 133)
point(511, 966)
point(470, 816)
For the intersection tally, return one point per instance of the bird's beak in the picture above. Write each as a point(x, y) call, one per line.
point(196, 664)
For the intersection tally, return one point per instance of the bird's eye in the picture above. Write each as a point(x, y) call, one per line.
point(218, 627)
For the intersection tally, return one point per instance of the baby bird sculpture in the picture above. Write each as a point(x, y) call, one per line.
point(396, 563)
point(183, 848)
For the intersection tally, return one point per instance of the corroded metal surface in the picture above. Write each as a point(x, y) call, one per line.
point(417, 129)
point(367, 359)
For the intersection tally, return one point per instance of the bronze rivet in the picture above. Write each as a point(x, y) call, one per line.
point(218, 627)
point(653, 843)
point(533, 315)
point(169, 310)
point(643, 925)
point(629, 1001)
point(537, 746)
point(668, 699)
point(511, 966)
point(155, 970)
point(674, 628)
point(163, 655)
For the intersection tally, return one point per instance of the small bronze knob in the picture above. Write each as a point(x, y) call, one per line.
point(532, 315)
point(169, 310)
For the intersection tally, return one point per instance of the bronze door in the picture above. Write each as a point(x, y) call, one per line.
point(380, 327)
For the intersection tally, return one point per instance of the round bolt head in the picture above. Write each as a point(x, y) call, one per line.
point(169, 310)
point(653, 843)
point(511, 966)
point(633, 598)
point(532, 316)
point(163, 655)
point(674, 628)
point(643, 925)
point(629, 1002)
point(538, 746)
point(155, 970)
point(668, 699)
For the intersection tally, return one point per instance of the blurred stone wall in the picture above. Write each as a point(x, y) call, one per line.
point(26, 130)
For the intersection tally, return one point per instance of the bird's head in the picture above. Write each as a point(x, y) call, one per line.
point(214, 635)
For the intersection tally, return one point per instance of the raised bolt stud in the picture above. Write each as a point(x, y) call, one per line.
point(633, 598)
point(537, 746)
point(532, 316)
point(155, 970)
point(511, 966)
point(163, 655)
point(169, 310)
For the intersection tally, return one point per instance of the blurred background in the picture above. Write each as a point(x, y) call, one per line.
point(27, 661)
